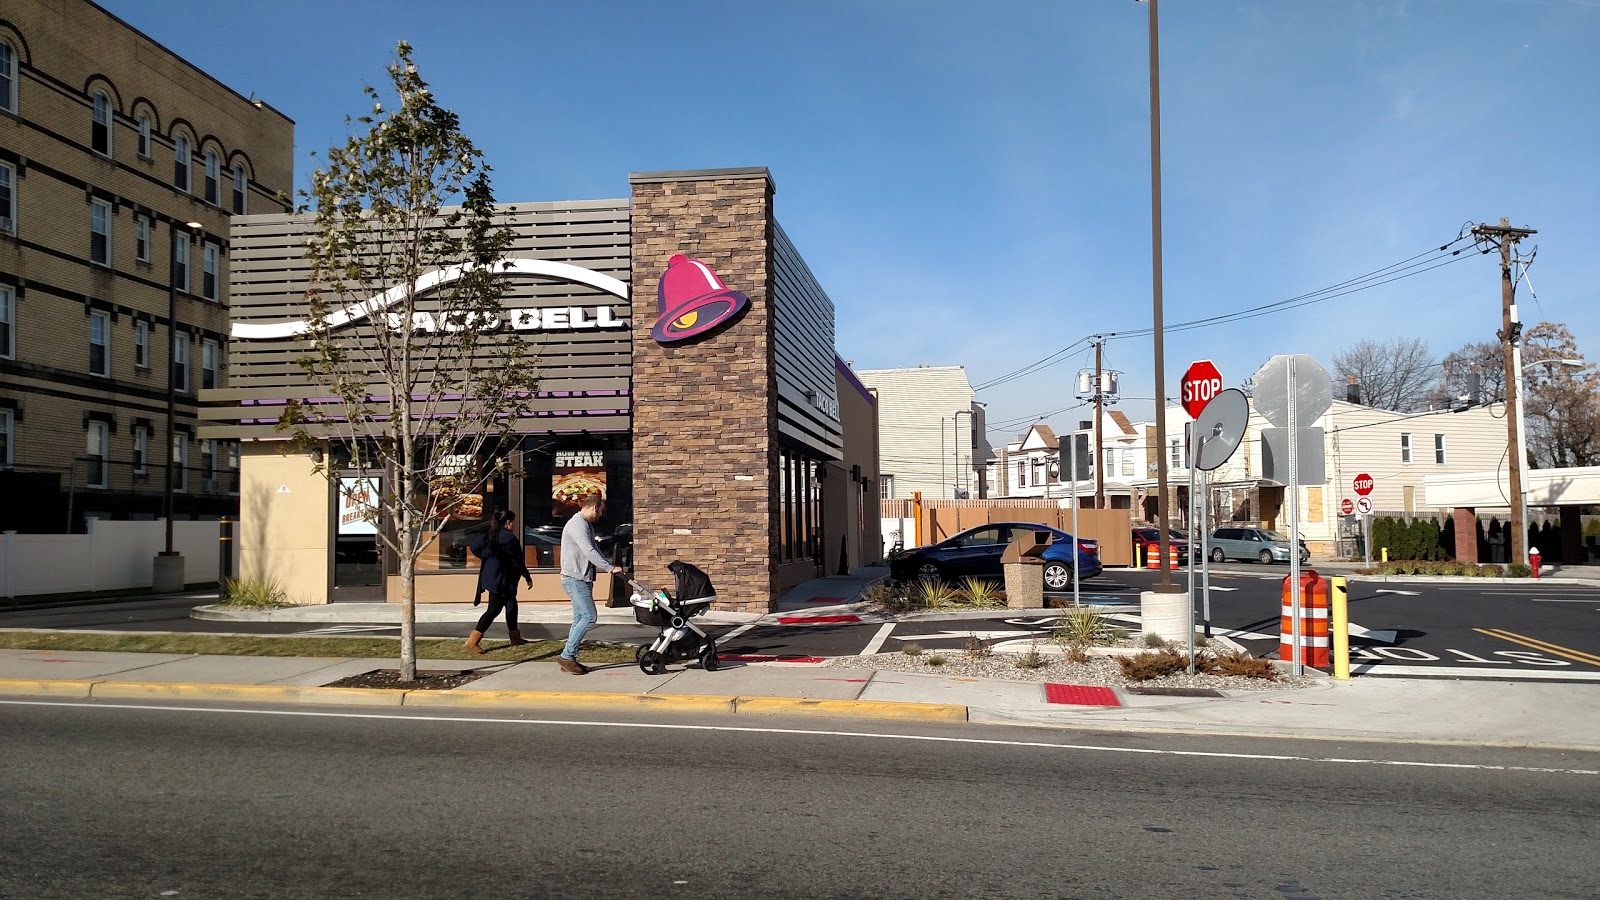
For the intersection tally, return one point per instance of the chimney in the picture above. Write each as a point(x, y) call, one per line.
point(1474, 389)
point(1352, 391)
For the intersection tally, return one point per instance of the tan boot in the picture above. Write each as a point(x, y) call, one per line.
point(472, 643)
point(570, 666)
point(516, 639)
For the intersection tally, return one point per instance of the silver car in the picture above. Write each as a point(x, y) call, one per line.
point(1253, 543)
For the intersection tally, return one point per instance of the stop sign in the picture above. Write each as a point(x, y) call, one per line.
point(1201, 382)
point(1363, 484)
point(1346, 507)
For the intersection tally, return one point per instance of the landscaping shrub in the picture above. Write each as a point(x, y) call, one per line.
point(1518, 570)
point(912, 649)
point(256, 593)
point(1033, 659)
point(1154, 641)
point(1157, 664)
point(978, 648)
point(890, 597)
point(980, 592)
point(1083, 625)
point(931, 593)
point(936, 660)
point(1243, 664)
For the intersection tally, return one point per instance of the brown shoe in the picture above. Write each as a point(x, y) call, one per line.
point(516, 639)
point(472, 643)
point(570, 666)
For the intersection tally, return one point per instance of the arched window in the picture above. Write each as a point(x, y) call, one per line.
point(144, 135)
point(213, 178)
point(180, 162)
point(100, 139)
point(8, 77)
point(240, 187)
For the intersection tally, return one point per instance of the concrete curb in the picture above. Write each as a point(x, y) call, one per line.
point(458, 699)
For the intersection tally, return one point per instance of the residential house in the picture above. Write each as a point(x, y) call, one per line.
point(931, 432)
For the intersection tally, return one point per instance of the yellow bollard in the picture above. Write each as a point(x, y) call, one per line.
point(1138, 556)
point(1385, 552)
point(1339, 625)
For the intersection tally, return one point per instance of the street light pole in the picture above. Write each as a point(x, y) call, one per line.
point(1158, 326)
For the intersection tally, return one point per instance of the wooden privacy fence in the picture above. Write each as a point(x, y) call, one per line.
point(943, 518)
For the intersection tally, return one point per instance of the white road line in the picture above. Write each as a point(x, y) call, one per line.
point(802, 732)
point(736, 632)
point(876, 644)
point(1564, 600)
point(1550, 674)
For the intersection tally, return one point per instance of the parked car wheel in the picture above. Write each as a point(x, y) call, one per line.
point(1057, 576)
point(930, 572)
point(1266, 557)
point(1218, 556)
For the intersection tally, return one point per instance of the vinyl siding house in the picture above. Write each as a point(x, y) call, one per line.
point(931, 433)
point(1030, 466)
point(1398, 450)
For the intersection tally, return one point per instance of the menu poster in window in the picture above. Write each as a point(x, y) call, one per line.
point(577, 474)
point(358, 506)
point(445, 489)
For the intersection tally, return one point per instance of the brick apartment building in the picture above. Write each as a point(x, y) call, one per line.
point(121, 165)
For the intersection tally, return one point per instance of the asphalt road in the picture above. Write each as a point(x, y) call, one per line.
point(109, 801)
point(1403, 629)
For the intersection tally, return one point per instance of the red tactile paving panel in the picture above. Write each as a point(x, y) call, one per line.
point(1080, 695)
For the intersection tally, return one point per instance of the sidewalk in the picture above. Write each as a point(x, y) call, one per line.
point(1552, 716)
point(830, 594)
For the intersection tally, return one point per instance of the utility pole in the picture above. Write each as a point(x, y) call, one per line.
point(1099, 449)
point(1505, 238)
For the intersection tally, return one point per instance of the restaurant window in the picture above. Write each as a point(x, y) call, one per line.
point(556, 474)
point(799, 496)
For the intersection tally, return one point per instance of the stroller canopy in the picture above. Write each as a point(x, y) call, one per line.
point(689, 582)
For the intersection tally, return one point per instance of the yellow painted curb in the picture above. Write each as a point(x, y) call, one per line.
point(861, 709)
point(32, 687)
point(269, 693)
point(678, 702)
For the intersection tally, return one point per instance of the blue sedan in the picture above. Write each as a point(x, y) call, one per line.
point(976, 553)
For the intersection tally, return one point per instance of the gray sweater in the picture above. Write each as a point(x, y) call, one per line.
point(579, 552)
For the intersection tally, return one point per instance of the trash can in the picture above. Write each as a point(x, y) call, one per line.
point(1023, 567)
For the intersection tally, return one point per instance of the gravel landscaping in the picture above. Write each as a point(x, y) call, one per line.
point(1101, 670)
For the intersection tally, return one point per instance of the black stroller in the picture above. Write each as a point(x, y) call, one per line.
point(679, 637)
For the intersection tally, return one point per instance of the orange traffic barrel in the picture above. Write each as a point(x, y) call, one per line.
point(1313, 621)
point(1153, 558)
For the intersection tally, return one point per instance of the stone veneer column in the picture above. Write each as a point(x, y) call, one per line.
point(705, 410)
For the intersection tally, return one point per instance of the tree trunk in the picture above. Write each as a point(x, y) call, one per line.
point(408, 623)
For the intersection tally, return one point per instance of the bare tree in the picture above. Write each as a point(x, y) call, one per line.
point(1562, 401)
point(407, 326)
point(1484, 359)
point(1398, 374)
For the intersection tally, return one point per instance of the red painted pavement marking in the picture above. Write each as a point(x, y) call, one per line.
point(1080, 695)
point(815, 620)
point(740, 657)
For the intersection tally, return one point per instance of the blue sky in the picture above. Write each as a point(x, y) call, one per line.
point(971, 182)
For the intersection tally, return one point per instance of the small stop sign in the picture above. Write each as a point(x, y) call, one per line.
point(1346, 506)
point(1201, 382)
point(1363, 484)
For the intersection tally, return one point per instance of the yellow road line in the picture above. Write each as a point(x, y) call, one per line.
point(1545, 646)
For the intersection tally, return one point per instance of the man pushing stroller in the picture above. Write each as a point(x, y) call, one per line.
point(581, 558)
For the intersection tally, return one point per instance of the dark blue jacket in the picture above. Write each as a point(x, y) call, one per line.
point(503, 563)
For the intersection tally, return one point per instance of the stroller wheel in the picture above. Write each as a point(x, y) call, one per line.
point(638, 655)
point(652, 663)
point(708, 659)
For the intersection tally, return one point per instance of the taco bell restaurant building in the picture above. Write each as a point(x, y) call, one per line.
point(728, 434)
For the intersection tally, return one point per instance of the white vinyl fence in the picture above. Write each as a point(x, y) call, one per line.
point(113, 556)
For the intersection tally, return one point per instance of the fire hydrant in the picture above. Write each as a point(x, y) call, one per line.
point(1533, 560)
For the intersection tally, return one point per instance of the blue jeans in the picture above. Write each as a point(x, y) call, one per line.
point(583, 615)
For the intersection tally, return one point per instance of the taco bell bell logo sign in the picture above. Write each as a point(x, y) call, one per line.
point(692, 300)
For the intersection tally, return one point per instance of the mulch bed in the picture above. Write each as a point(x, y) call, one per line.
point(436, 680)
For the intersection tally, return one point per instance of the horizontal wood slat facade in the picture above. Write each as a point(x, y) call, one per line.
point(269, 277)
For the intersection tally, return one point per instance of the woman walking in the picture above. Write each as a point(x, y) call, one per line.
point(503, 564)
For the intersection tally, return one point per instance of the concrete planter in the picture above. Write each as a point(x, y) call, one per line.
point(1165, 614)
